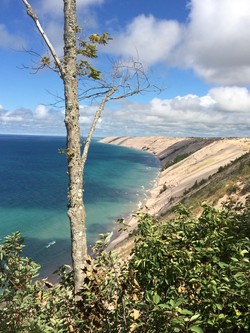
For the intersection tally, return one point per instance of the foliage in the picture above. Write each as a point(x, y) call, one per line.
point(27, 305)
point(195, 273)
point(88, 50)
point(184, 275)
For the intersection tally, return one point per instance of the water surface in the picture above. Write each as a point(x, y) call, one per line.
point(33, 192)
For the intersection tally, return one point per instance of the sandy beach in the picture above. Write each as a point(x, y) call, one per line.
point(203, 157)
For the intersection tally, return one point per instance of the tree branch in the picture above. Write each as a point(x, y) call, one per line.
point(129, 78)
point(94, 123)
point(34, 17)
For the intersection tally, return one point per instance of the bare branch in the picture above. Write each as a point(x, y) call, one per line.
point(34, 17)
point(40, 64)
point(129, 78)
point(94, 123)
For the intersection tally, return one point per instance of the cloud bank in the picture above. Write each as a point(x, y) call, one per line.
point(221, 112)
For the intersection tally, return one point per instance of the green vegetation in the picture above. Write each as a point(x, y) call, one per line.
point(176, 160)
point(224, 182)
point(185, 275)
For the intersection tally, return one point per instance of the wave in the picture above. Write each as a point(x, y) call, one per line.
point(50, 243)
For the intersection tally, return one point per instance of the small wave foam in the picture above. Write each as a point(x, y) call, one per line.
point(139, 204)
point(49, 244)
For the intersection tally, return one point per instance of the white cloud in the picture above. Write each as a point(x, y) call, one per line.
point(41, 120)
point(41, 112)
point(216, 42)
point(146, 37)
point(231, 98)
point(9, 118)
point(221, 112)
point(85, 120)
point(16, 116)
point(214, 114)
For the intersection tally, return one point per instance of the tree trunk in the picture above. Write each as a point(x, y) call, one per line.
point(76, 208)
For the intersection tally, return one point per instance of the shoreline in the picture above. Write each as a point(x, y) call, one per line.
point(188, 159)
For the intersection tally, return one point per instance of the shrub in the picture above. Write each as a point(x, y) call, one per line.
point(194, 274)
point(27, 305)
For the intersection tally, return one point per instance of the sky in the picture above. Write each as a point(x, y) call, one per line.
point(197, 51)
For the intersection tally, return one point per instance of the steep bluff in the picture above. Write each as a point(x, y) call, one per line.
point(184, 161)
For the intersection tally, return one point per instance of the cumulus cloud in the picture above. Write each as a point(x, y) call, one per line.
point(231, 98)
point(149, 39)
point(214, 41)
point(41, 112)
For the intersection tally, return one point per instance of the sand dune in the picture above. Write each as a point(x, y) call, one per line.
point(205, 157)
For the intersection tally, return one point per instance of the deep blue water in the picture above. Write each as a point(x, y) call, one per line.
point(33, 192)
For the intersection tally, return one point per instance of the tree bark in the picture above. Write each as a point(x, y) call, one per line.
point(76, 208)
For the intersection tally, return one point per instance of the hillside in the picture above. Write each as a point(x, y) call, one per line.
point(186, 164)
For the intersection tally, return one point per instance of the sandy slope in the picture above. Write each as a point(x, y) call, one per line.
point(207, 156)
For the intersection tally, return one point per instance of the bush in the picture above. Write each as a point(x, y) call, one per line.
point(27, 305)
point(194, 274)
point(184, 275)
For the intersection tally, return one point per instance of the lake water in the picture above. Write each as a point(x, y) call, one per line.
point(33, 192)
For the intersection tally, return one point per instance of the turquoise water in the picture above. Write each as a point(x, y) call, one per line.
point(33, 192)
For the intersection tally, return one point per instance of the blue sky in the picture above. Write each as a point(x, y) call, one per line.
point(199, 50)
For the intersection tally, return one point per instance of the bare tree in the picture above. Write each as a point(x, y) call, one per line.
point(125, 80)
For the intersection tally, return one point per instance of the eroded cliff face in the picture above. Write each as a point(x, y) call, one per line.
point(184, 161)
point(166, 149)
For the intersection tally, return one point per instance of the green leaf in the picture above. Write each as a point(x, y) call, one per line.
point(222, 264)
point(234, 259)
point(219, 306)
point(156, 299)
point(194, 317)
point(196, 329)
point(243, 252)
point(184, 311)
